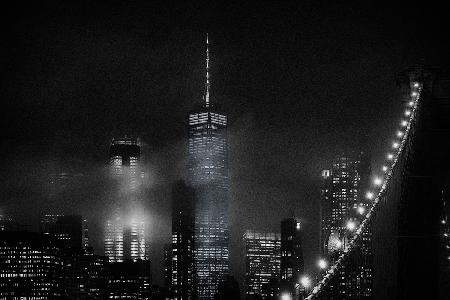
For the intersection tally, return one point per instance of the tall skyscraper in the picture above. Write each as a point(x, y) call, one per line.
point(182, 267)
point(262, 260)
point(342, 204)
point(208, 174)
point(125, 231)
point(292, 264)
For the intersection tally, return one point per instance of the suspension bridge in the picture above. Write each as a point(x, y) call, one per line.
point(406, 219)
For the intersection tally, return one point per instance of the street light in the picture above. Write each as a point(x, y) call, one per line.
point(351, 225)
point(377, 181)
point(322, 263)
point(305, 282)
point(361, 210)
point(286, 296)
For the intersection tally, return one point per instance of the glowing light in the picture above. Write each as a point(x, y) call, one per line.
point(404, 123)
point(399, 133)
point(390, 156)
point(338, 244)
point(298, 226)
point(416, 84)
point(361, 210)
point(384, 168)
point(377, 181)
point(351, 225)
point(414, 94)
point(395, 145)
point(286, 296)
point(322, 263)
point(443, 222)
point(369, 195)
point(407, 113)
point(411, 103)
point(305, 281)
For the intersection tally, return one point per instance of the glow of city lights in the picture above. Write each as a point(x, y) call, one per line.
point(390, 156)
point(377, 181)
point(384, 168)
point(414, 94)
point(416, 84)
point(443, 222)
point(399, 133)
point(338, 244)
point(350, 225)
point(395, 145)
point(322, 263)
point(369, 195)
point(411, 103)
point(404, 123)
point(407, 113)
point(305, 281)
point(286, 296)
point(361, 210)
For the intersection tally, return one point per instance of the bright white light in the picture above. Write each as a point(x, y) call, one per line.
point(338, 244)
point(416, 84)
point(414, 94)
point(369, 195)
point(351, 225)
point(390, 156)
point(411, 103)
point(443, 222)
point(384, 168)
point(305, 281)
point(407, 113)
point(404, 123)
point(361, 210)
point(286, 296)
point(298, 225)
point(377, 181)
point(322, 263)
point(399, 133)
point(395, 145)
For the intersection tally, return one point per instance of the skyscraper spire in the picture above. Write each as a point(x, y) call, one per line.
point(207, 72)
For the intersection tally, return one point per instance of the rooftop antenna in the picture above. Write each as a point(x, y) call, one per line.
point(207, 72)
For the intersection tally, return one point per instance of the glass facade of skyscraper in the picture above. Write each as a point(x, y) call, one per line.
point(262, 260)
point(208, 174)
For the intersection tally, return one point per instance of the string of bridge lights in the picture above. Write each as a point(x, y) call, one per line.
point(380, 183)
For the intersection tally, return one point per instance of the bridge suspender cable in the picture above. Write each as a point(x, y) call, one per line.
point(392, 157)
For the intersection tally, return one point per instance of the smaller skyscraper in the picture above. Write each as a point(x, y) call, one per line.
point(68, 229)
point(262, 261)
point(183, 225)
point(30, 266)
point(129, 280)
point(292, 264)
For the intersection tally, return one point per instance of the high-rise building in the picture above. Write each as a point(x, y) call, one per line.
point(342, 205)
point(292, 264)
point(68, 229)
point(129, 280)
point(262, 260)
point(30, 266)
point(183, 224)
point(125, 231)
point(208, 174)
point(167, 264)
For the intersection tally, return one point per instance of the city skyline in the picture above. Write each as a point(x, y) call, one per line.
point(283, 129)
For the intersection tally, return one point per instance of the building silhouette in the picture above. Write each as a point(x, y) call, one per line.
point(69, 229)
point(208, 174)
point(292, 264)
point(182, 250)
point(262, 261)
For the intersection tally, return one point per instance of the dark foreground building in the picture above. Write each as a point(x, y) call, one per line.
point(129, 280)
point(30, 266)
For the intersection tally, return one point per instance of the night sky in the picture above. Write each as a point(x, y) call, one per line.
point(300, 83)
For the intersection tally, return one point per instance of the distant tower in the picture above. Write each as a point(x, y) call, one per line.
point(208, 174)
point(182, 268)
point(292, 264)
point(262, 260)
point(341, 201)
point(125, 231)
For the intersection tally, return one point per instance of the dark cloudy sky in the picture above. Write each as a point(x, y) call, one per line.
point(300, 82)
